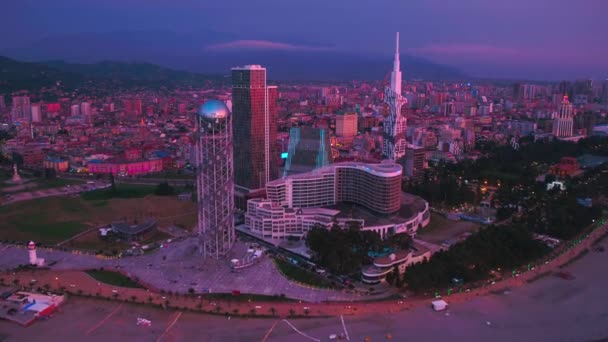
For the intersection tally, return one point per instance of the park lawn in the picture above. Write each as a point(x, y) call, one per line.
point(438, 222)
point(53, 219)
point(155, 236)
point(92, 241)
point(299, 275)
point(122, 191)
point(441, 229)
point(36, 184)
point(56, 183)
point(171, 175)
point(4, 176)
point(24, 221)
point(113, 278)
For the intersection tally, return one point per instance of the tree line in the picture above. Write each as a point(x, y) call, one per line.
point(471, 260)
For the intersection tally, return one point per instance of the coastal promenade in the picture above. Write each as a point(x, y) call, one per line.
point(79, 283)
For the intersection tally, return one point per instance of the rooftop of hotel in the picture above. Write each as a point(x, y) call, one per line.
point(393, 258)
point(383, 264)
point(386, 168)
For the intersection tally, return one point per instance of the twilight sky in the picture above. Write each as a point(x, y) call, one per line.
point(537, 39)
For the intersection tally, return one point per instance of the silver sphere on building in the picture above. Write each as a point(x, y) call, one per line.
point(213, 109)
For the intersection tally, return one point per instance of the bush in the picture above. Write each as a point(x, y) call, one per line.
point(164, 189)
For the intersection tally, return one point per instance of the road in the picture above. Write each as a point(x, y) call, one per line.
point(178, 182)
point(59, 191)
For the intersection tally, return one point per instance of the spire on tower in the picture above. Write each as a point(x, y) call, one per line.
point(396, 74)
point(397, 45)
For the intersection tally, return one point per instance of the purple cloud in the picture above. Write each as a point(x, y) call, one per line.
point(262, 45)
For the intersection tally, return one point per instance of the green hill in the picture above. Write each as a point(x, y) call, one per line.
point(16, 75)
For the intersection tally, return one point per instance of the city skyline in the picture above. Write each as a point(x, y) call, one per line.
point(537, 39)
point(359, 164)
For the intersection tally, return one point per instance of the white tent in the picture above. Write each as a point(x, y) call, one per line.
point(439, 305)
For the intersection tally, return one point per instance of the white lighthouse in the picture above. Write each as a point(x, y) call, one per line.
point(32, 251)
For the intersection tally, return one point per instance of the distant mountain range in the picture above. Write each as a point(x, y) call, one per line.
point(16, 75)
point(210, 52)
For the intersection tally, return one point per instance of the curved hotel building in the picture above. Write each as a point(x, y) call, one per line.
point(374, 186)
point(331, 195)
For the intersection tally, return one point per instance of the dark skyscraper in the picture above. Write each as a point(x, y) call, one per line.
point(518, 91)
point(254, 126)
point(604, 94)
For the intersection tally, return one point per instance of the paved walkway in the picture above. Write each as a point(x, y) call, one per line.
point(179, 267)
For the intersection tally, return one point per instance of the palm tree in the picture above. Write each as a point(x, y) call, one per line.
point(273, 311)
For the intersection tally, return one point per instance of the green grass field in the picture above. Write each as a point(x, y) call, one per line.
point(36, 184)
point(56, 183)
point(4, 176)
point(441, 229)
point(27, 221)
point(171, 175)
point(51, 220)
point(437, 222)
point(113, 278)
point(302, 276)
point(122, 191)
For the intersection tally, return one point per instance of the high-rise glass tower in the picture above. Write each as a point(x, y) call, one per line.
point(394, 143)
point(215, 179)
point(309, 149)
point(255, 127)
